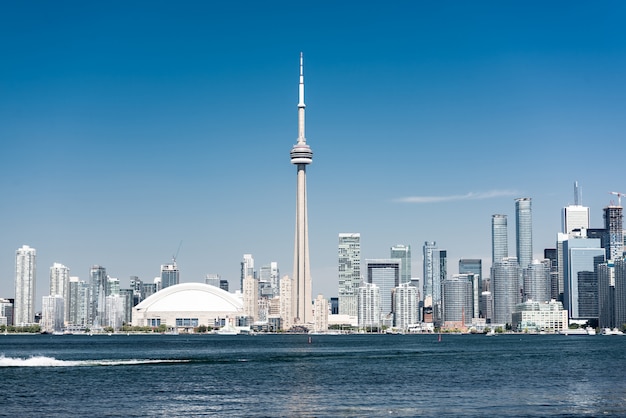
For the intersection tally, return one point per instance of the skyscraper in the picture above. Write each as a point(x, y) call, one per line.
point(614, 226)
point(301, 156)
point(506, 290)
point(247, 269)
point(499, 238)
point(405, 304)
point(368, 295)
point(537, 281)
point(98, 280)
point(403, 252)
point(575, 216)
point(435, 271)
point(384, 273)
point(24, 305)
point(60, 285)
point(170, 275)
point(524, 231)
point(349, 255)
point(458, 299)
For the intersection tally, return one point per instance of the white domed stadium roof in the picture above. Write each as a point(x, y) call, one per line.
point(188, 300)
point(191, 297)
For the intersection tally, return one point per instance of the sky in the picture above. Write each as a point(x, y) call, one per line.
point(133, 132)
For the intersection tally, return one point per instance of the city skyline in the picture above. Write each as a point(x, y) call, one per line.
point(128, 133)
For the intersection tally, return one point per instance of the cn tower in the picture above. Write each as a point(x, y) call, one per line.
point(301, 156)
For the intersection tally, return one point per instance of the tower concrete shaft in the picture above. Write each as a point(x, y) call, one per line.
point(301, 156)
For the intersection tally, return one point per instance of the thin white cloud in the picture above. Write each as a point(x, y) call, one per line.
point(468, 196)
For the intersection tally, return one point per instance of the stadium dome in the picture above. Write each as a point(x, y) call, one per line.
point(187, 305)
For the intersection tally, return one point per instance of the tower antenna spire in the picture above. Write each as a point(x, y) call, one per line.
point(301, 105)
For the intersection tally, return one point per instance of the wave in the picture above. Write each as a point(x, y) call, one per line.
point(43, 361)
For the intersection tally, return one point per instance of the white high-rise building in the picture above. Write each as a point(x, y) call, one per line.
point(405, 301)
point(320, 308)
point(52, 313)
point(24, 305)
point(505, 279)
point(575, 216)
point(458, 299)
point(60, 285)
point(301, 156)
point(368, 296)
point(537, 281)
point(115, 311)
point(286, 304)
point(349, 255)
point(79, 307)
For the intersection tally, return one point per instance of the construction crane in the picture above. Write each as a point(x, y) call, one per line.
point(175, 256)
point(619, 197)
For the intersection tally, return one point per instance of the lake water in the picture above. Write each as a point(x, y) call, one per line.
point(330, 376)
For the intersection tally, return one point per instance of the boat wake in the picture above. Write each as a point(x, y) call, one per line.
point(43, 361)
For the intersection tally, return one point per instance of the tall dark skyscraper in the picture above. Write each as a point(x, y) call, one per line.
point(524, 231)
point(614, 226)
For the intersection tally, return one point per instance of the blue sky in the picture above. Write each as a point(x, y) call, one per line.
point(130, 127)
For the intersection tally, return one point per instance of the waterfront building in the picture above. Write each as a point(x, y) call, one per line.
point(25, 277)
point(486, 306)
point(301, 156)
point(286, 303)
point(499, 238)
point(186, 306)
point(405, 306)
point(250, 295)
point(473, 266)
point(614, 226)
point(524, 231)
point(385, 274)
point(6, 311)
point(368, 301)
point(114, 311)
point(403, 252)
point(349, 256)
point(606, 294)
point(170, 275)
point(52, 313)
point(551, 255)
point(537, 281)
point(435, 271)
point(247, 269)
point(79, 306)
point(580, 258)
point(534, 316)
point(59, 285)
point(505, 276)
point(620, 292)
point(98, 279)
point(127, 297)
point(320, 314)
point(458, 303)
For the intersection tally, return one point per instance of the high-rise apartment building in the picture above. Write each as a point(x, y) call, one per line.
point(524, 231)
point(320, 313)
point(505, 276)
point(349, 255)
point(78, 306)
point(385, 274)
point(368, 300)
point(170, 275)
point(52, 313)
point(60, 285)
point(247, 269)
point(537, 281)
point(458, 301)
point(286, 304)
point(270, 275)
point(24, 305)
point(435, 271)
point(251, 298)
point(614, 226)
point(499, 238)
point(98, 281)
point(405, 306)
point(403, 252)
point(301, 156)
